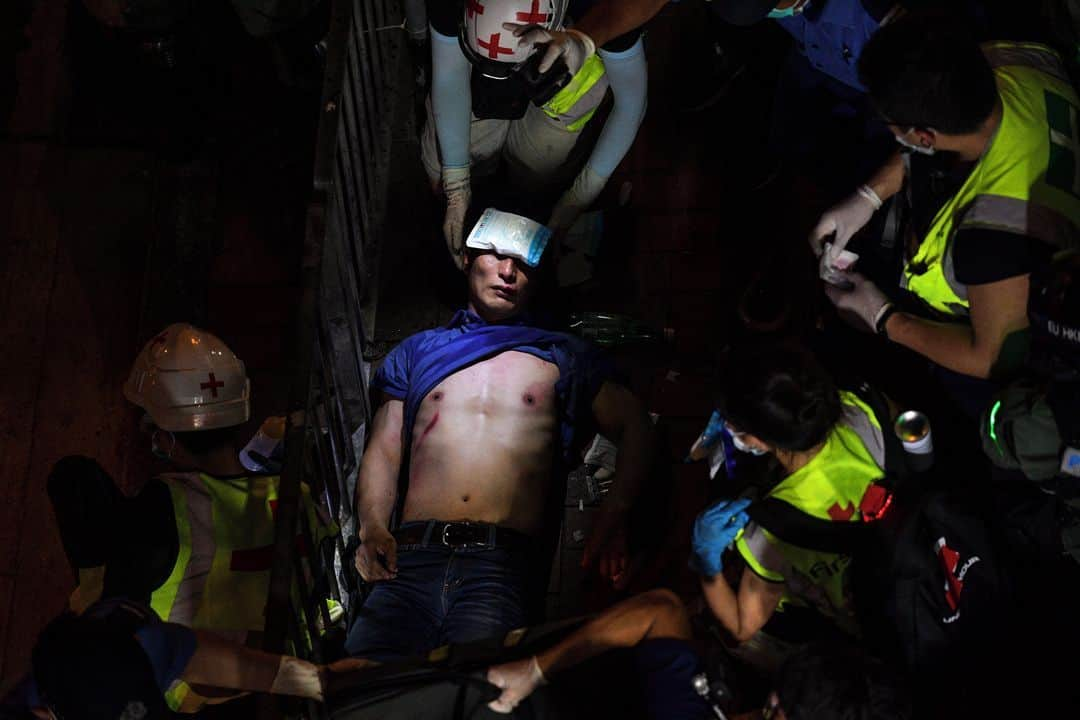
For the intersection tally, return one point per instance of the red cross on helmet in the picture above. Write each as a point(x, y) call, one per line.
point(486, 41)
point(188, 379)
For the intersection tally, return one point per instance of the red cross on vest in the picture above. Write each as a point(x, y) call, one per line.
point(534, 16)
point(492, 46)
point(472, 7)
point(212, 385)
point(259, 559)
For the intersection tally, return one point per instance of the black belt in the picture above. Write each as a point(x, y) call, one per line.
point(460, 535)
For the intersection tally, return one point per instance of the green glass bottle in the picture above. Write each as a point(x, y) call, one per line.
point(613, 329)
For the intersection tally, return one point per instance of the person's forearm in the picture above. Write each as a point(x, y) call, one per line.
point(221, 664)
point(724, 603)
point(653, 614)
point(889, 178)
point(627, 74)
point(376, 489)
point(608, 19)
point(949, 345)
point(451, 99)
point(633, 463)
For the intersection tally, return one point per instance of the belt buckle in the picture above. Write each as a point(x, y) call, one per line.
point(448, 527)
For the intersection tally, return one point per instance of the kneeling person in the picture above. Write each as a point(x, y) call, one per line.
point(475, 416)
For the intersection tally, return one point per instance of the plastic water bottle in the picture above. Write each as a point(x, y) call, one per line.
point(610, 329)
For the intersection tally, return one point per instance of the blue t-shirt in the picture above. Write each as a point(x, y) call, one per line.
point(412, 369)
point(832, 34)
point(168, 646)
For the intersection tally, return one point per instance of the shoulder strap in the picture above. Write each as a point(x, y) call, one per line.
point(793, 526)
point(895, 458)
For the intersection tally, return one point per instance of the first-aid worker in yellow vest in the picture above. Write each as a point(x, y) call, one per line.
point(494, 97)
point(991, 177)
point(196, 543)
point(829, 448)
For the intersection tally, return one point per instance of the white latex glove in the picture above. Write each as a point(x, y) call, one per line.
point(517, 680)
point(845, 219)
point(586, 188)
point(861, 305)
point(573, 46)
point(298, 678)
point(458, 196)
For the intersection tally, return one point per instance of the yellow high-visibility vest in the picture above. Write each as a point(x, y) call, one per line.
point(225, 528)
point(1027, 182)
point(576, 103)
point(831, 487)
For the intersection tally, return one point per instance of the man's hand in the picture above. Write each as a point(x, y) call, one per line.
point(573, 46)
point(458, 196)
point(606, 548)
point(374, 543)
point(517, 680)
point(844, 220)
point(861, 305)
point(337, 675)
point(714, 530)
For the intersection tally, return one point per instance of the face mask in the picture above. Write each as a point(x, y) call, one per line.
point(741, 446)
point(795, 9)
point(912, 146)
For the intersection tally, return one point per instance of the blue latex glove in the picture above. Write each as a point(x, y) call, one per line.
point(714, 530)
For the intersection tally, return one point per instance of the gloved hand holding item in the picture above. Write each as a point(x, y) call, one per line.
point(862, 305)
point(517, 680)
point(586, 188)
point(844, 220)
point(458, 196)
point(573, 46)
point(714, 530)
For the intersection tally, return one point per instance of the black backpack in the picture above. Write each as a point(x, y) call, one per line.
point(928, 578)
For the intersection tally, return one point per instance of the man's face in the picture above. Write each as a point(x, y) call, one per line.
point(498, 285)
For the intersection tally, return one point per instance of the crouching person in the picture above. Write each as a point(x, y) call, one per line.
point(829, 447)
point(119, 660)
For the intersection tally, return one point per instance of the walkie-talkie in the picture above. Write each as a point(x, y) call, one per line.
point(544, 86)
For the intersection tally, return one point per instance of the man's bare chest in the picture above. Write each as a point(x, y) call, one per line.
point(511, 381)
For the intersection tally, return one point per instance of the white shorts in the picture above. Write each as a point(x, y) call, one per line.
point(536, 148)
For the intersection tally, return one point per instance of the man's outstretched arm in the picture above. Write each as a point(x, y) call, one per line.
point(621, 418)
point(655, 614)
point(376, 493)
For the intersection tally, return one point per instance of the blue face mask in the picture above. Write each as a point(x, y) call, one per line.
point(795, 9)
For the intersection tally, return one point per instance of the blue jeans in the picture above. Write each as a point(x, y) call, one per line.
point(441, 595)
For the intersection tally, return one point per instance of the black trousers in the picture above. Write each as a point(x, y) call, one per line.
point(134, 538)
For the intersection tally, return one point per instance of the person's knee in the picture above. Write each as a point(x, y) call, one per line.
point(78, 476)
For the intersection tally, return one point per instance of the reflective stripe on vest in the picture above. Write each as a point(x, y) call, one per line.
point(575, 104)
point(831, 486)
point(226, 536)
point(1027, 182)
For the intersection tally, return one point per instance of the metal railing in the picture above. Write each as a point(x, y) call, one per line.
point(329, 408)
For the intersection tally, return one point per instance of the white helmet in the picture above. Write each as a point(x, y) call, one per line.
point(488, 44)
point(187, 379)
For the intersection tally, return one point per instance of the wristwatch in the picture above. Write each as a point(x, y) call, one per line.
point(882, 318)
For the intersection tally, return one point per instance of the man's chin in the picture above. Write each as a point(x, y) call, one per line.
point(499, 308)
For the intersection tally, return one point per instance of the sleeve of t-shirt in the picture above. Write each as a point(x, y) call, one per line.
point(169, 647)
point(984, 256)
point(445, 16)
point(392, 377)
